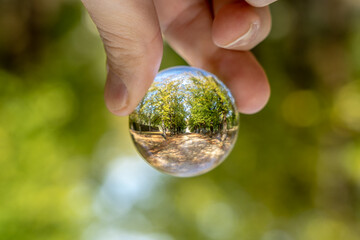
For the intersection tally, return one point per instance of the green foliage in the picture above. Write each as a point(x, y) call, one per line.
point(293, 174)
point(210, 107)
point(199, 103)
point(164, 107)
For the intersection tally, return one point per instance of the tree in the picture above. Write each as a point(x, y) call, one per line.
point(210, 105)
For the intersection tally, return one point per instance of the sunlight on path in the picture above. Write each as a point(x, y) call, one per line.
point(183, 153)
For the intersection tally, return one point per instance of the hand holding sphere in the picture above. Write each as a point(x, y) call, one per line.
point(213, 35)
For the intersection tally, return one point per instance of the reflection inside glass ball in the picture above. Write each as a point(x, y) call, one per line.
point(186, 124)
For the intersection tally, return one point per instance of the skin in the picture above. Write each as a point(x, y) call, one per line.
point(213, 35)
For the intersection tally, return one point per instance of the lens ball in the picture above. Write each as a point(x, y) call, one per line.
point(186, 124)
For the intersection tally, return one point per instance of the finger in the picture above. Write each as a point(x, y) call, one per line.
point(218, 4)
point(260, 3)
point(133, 43)
point(239, 26)
point(245, 78)
point(187, 27)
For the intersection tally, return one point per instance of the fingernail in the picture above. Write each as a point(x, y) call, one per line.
point(260, 3)
point(116, 94)
point(246, 38)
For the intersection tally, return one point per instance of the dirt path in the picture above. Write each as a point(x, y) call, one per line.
point(183, 153)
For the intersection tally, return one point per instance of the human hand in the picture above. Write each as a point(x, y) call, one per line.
point(212, 35)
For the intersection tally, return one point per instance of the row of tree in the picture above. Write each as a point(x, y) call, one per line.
point(197, 104)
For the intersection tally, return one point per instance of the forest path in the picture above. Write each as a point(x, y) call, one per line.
point(183, 152)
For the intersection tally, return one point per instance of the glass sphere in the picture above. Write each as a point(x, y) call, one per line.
point(186, 124)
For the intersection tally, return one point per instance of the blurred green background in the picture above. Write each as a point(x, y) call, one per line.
point(68, 169)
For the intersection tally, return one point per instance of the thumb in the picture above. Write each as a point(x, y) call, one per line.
point(132, 39)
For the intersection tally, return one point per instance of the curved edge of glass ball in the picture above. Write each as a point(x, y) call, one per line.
point(187, 123)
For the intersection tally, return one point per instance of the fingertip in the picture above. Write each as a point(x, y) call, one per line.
point(127, 83)
point(235, 26)
point(239, 26)
point(116, 94)
point(245, 78)
point(123, 94)
point(254, 99)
